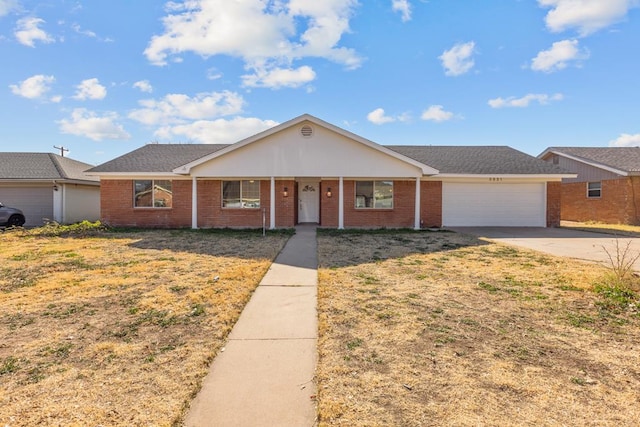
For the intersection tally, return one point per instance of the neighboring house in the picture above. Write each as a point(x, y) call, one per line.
point(607, 186)
point(48, 187)
point(309, 171)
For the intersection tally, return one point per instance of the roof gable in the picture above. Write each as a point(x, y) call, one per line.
point(620, 160)
point(299, 155)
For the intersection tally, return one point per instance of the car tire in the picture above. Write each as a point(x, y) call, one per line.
point(15, 221)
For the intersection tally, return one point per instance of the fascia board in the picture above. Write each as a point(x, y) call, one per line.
point(508, 176)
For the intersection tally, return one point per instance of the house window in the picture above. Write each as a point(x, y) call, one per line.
point(374, 194)
point(152, 193)
point(594, 189)
point(241, 194)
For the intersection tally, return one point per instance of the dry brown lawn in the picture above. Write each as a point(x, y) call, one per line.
point(437, 328)
point(118, 328)
point(619, 229)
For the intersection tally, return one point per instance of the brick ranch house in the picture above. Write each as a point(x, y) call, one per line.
point(607, 183)
point(310, 171)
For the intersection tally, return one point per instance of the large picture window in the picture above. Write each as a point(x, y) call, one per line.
point(594, 189)
point(241, 194)
point(374, 194)
point(152, 193)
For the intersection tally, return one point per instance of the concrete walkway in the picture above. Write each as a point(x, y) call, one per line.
point(265, 375)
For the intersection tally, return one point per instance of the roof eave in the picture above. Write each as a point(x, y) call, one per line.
point(133, 173)
point(508, 176)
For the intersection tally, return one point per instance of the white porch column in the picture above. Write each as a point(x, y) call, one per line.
point(416, 225)
point(341, 204)
point(194, 203)
point(272, 206)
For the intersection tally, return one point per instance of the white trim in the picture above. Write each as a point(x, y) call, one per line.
point(125, 175)
point(416, 223)
point(194, 203)
point(186, 169)
point(546, 177)
point(589, 189)
point(341, 204)
point(272, 205)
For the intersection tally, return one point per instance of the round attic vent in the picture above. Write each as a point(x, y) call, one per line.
point(306, 131)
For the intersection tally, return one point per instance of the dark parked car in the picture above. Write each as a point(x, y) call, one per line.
point(11, 217)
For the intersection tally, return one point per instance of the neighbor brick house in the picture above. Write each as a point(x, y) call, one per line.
point(607, 185)
point(310, 171)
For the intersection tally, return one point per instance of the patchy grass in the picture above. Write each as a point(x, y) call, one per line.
point(599, 227)
point(117, 328)
point(420, 328)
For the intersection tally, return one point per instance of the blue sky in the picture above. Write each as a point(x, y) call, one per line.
point(102, 78)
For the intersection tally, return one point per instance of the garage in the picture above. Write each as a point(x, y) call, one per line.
point(493, 204)
point(35, 202)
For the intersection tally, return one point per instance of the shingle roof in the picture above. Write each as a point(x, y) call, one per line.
point(158, 158)
point(42, 166)
point(483, 160)
point(477, 160)
point(623, 158)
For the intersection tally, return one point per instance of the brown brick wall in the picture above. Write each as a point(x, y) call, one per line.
point(618, 204)
point(286, 206)
point(554, 191)
point(431, 203)
point(402, 214)
point(329, 209)
point(116, 206)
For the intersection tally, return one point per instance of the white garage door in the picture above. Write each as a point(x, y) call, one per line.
point(493, 204)
point(36, 203)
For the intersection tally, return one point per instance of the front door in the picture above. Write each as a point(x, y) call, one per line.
point(308, 201)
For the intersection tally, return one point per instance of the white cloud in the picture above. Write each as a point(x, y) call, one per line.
point(27, 32)
point(8, 6)
point(378, 117)
point(458, 60)
point(88, 124)
point(280, 77)
point(542, 99)
point(436, 113)
point(90, 89)
point(79, 30)
point(34, 87)
point(179, 108)
point(220, 131)
point(587, 16)
point(559, 56)
point(404, 7)
point(266, 35)
point(626, 140)
point(144, 86)
point(213, 74)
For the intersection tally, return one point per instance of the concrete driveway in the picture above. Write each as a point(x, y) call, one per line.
point(581, 245)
